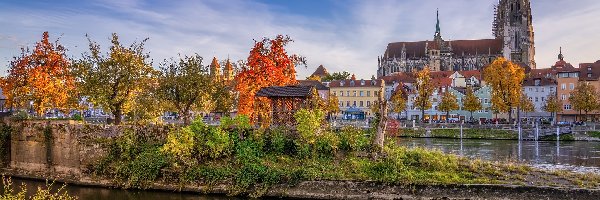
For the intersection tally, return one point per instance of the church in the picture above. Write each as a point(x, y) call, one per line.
point(514, 40)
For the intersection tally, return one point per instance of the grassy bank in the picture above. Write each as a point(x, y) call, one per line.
point(595, 134)
point(250, 161)
point(455, 133)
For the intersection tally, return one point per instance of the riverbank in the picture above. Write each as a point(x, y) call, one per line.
point(236, 160)
point(345, 189)
point(490, 134)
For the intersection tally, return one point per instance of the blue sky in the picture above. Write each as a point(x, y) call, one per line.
point(341, 35)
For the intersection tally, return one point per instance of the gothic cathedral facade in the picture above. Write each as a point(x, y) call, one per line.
point(514, 40)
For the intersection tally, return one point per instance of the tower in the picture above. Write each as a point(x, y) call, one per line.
point(215, 69)
point(228, 72)
point(513, 25)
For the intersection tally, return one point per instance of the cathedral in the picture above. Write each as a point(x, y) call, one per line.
point(514, 40)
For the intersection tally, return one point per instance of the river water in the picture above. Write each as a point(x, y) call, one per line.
point(569, 155)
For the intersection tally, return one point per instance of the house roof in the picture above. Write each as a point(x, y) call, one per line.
point(471, 73)
point(314, 83)
point(399, 78)
point(285, 91)
point(442, 82)
point(440, 74)
point(594, 71)
point(320, 71)
point(543, 81)
point(459, 47)
point(357, 83)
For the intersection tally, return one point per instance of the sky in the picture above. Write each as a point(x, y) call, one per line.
point(343, 35)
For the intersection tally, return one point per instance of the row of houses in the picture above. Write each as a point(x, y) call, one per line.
point(356, 96)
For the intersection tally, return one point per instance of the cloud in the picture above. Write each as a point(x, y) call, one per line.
point(349, 38)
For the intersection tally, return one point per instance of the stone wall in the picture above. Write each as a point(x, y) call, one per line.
point(66, 147)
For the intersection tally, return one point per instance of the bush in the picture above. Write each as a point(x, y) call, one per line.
point(144, 168)
point(327, 145)
point(199, 140)
point(276, 141)
point(353, 139)
point(41, 193)
point(309, 124)
point(77, 117)
point(180, 145)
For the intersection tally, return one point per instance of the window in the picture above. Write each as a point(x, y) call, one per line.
point(589, 75)
point(563, 86)
point(571, 86)
point(551, 89)
point(341, 104)
point(536, 99)
point(361, 104)
point(354, 92)
point(347, 103)
point(368, 93)
point(542, 89)
point(537, 89)
point(589, 68)
point(567, 107)
point(362, 93)
point(374, 93)
point(563, 97)
point(362, 82)
point(486, 101)
point(348, 93)
point(543, 99)
point(368, 103)
point(341, 93)
point(354, 104)
point(537, 82)
point(530, 89)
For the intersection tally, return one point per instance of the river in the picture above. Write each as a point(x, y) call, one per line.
point(570, 155)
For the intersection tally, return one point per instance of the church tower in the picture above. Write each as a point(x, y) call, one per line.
point(513, 24)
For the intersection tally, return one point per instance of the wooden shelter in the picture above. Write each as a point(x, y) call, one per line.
point(285, 101)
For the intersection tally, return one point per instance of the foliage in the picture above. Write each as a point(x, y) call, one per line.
point(183, 84)
point(353, 139)
point(197, 142)
point(448, 103)
point(41, 76)
point(239, 121)
point(112, 81)
point(505, 79)
point(314, 78)
point(332, 106)
point(309, 124)
point(525, 104)
point(553, 104)
point(595, 134)
point(471, 103)
point(467, 133)
point(424, 91)
point(268, 65)
point(336, 76)
point(398, 101)
point(147, 106)
point(47, 193)
point(5, 132)
point(584, 97)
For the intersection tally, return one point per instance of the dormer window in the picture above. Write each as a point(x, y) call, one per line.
point(589, 68)
point(589, 75)
point(537, 82)
point(351, 83)
point(372, 82)
point(362, 82)
point(342, 83)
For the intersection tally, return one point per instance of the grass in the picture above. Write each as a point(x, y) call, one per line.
point(595, 134)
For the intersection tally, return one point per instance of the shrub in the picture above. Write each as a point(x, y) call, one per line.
point(353, 139)
point(309, 124)
point(276, 141)
point(41, 193)
point(144, 168)
point(180, 145)
point(5, 131)
point(327, 145)
point(198, 139)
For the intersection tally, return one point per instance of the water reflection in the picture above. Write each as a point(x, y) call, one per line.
point(576, 153)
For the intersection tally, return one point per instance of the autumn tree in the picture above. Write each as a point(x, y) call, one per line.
point(448, 103)
point(471, 102)
point(584, 98)
point(112, 81)
point(332, 106)
point(398, 101)
point(184, 84)
point(222, 97)
point(525, 104)
point(505, 79)
point(268, 65)
point(147, 106)
point(553, 105)
point(425, 89)
point(314, 78)
point(41, 76)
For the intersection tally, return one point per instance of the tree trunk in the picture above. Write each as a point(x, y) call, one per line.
point(447, 115)
point(378, 141)
point(186, 119)
point(423, 115)
point(471, 116)
point(118, 113)
point(510, 116)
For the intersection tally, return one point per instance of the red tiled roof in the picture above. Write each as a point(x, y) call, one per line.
point(543, 81)
point(313, 83)
point(471, 73)
point(357, 83)
point(594, 71)
point(320, 71)
point(399, 78)
point(442, 82)
point(441, 74)
point(459, 47)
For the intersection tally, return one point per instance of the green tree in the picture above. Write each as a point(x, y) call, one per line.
point(184, 84)
point(553, 105)
point(112, 81)
point(471, 103)
point(505, 79)
point(448, 103)
point(584, 98)
point(223, 98)
point(424, 91)
point(336, 76)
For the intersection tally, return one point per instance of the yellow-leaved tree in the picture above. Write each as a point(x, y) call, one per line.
point(553, 105)
point(505, 78)
point(425, 89)
point(584, 98)
point(471, 102)
point(448, 103)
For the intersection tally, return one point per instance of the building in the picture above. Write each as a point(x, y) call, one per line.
point(514, 40)
point(483, 94)
point(320, 87)
point(356, 96)
point(538, 89)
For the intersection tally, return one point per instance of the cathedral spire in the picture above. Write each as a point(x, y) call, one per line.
point(438, 32)
point(560, 55)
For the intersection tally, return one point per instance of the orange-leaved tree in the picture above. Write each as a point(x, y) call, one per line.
point(41, 77)
point(268, 65)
